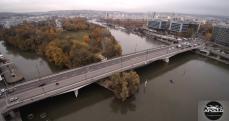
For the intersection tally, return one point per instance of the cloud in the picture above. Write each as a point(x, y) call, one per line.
point(191, 6)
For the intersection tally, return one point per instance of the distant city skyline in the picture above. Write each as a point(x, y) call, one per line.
point(207, 7)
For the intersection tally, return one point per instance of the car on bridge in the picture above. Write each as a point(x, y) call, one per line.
point(12, 99)
point(2, 91)
point(179, 46)
point(186, 44)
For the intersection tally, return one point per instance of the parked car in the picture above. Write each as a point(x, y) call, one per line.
point(2, 91)
point(1, 56)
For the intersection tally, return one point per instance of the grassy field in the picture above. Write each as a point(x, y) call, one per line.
point(66, 35)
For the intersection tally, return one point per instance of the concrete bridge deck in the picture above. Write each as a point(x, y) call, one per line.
point(74, 79)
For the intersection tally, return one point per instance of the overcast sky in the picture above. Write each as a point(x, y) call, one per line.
point(213, 7)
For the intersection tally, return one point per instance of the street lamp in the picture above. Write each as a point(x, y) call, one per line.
point(135, 49)
point(39, 76)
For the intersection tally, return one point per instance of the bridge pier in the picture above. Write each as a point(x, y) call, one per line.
point(13, 115)
point(2, 118)
point(76, 93)
point(208, 53)
point(166, 59)
point(218, 57)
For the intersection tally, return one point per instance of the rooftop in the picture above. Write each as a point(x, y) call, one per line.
point(222, 25)
point(159, 20)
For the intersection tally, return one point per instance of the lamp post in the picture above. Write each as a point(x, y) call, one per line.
point(39, 76)
point(135, 49)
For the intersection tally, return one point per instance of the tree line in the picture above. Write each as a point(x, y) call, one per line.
point(45, 39)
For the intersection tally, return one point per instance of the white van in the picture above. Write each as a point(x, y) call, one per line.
point(1, 56)
point(1, 79)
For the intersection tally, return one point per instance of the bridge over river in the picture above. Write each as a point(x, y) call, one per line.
point(74, 79)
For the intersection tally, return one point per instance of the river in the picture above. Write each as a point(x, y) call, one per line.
point(195, 78)
point(29, 64)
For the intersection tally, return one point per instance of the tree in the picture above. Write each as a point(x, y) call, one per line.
point(86, 39)
point(75, 24)
point(208, 36)
point(80, 55)
point(124, 84)
point(189, 32)
point(55, 54)
point(30, 35)
point(111, 51)
point(206, 31)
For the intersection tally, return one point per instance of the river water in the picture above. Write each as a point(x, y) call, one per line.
point(29, 64)
point(194, 78)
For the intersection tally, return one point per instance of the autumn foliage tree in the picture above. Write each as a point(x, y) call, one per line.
point(206, 30)
point(86, 39)
point(208, 36)
point(29, 35)
point(55, 54)
point(75, 24)
point(111, 51)
point(124, 84)
point(80, 55)
point(46, 39)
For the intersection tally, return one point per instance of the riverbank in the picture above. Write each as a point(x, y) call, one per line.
point(214, 57)
point(8, 72)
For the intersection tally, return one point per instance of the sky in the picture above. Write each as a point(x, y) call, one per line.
point(209, 7)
